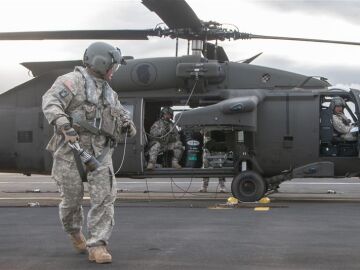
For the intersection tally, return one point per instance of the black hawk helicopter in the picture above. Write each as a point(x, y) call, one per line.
point(267, 125)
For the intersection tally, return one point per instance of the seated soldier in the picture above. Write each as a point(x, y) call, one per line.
point(164, 136)
point(342, 124)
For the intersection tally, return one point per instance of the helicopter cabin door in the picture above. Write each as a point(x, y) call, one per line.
point(29, 143)
point(131, 161)
point(356, 94)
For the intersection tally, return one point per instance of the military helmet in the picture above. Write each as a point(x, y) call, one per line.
point(166, 110)
point(337, 101)
point(101, 57)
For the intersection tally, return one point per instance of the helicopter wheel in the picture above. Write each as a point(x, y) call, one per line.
point(248, 186)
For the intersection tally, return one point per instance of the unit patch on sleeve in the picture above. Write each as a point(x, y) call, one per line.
point(63, 93)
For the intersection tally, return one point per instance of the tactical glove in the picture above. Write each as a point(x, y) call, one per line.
point(70, 135)
point(129, 128)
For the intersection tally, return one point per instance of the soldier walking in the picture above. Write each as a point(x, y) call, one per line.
point(83, 108)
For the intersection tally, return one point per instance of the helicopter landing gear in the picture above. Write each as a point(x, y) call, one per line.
point(248, 186)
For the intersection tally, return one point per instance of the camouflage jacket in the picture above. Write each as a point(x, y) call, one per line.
point(341, 123)
point(80, 94)
point(162, 127)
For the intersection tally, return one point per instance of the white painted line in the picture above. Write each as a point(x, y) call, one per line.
point(181, 182)
point(38, 198)
point(26, 182)
point(318, 183)
point(118, 182)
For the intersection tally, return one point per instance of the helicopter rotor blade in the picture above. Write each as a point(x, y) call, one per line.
point(251, 36)
point(80, 34)
point(176, 14)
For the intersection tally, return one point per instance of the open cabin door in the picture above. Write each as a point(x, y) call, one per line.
point(134, 148)
point(356, 94)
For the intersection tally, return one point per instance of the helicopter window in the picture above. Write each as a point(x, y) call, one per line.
point(130, 109)
point(349, 110)
point(179, 109)
point(332, 142)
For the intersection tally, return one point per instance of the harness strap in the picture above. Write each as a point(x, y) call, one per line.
point(104, 152)
point(80, 166)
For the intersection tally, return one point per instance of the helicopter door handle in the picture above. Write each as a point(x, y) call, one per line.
point(41, 120)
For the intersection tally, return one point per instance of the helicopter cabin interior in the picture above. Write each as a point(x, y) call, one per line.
point(218, 144)
point(332, 144)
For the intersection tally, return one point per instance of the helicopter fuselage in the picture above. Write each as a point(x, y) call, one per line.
point(270, 120)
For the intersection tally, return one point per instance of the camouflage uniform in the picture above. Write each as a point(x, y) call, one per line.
point(73, 94)
point(206, 164)
point(342, 125)
point(169, 142)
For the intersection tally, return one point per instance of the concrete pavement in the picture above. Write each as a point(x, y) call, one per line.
point(19, 190)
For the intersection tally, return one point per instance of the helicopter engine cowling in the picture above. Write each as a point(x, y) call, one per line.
point(237, 112)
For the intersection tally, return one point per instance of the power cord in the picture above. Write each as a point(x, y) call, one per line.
point(123, 156)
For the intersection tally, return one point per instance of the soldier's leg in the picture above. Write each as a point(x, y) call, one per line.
point(71, 191)
point(349, 137)
point(205, 184)
point(222, 184)
point(102, 191)
point(177, 148)
point(205, 181)
point(153, 153)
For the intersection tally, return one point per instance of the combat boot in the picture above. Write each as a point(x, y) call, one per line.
point(175, 164)
point(79, 242)
point(99, 254)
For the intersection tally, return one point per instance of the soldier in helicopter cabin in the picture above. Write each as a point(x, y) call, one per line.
point(165, 136)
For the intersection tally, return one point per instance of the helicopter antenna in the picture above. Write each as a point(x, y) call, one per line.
point(216, 46)
point(177, 47)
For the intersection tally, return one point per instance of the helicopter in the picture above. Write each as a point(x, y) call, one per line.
point(270, 125)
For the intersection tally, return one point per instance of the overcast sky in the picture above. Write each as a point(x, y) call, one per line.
point(338, 20)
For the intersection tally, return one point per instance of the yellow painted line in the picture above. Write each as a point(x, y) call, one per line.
point(261, 208)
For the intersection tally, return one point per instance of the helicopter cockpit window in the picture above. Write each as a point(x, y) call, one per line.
point(349, 109)
point(338, 127)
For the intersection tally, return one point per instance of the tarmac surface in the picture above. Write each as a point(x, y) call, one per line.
point(164, 224)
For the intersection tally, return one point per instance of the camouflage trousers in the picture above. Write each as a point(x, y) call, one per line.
point(207, 179)
point(102, 191)
point(206, 164)
point(157, 147)
point(348, 137)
